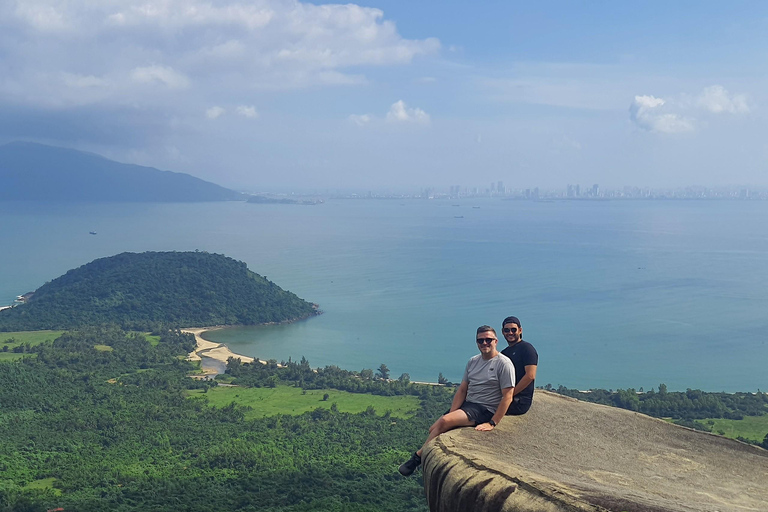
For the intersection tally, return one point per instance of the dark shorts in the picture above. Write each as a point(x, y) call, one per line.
point(519, 405)
point(476, 412)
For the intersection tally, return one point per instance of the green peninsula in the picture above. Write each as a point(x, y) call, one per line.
point(142, 291)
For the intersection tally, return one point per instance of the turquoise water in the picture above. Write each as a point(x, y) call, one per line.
point(612, 294)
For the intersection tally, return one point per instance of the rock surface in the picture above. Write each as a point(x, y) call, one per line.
point(567, 455)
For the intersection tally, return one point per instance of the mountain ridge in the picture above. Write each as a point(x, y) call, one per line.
point(32, 171)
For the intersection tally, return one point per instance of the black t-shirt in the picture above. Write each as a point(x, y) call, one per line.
point(522, 354)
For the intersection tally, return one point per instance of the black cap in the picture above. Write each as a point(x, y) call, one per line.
point(511, 320)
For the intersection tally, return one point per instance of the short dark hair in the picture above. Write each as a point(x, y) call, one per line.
point(486, 328)
point(511, 320)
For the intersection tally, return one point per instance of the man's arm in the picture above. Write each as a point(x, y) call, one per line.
point(530, 374)
point(501, 410)
point(460, 396)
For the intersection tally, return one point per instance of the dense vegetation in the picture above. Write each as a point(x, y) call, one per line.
point(688, 408)
point(36, 172)
point(90, 428)
point(144, 291)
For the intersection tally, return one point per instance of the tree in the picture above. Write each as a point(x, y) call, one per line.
point(326, 397)
point(662, 389)
point(441, 379)
point(404, 378)
point(366, 374)
point(383, 372)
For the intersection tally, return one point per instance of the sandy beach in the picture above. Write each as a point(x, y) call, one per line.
point(217, 351)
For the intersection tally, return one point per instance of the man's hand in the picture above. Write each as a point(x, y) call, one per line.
point(485, 427)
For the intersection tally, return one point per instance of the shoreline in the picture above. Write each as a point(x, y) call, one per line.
point(212, 350)
point(221, 352)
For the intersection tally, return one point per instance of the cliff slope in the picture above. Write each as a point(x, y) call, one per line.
point(567, 455)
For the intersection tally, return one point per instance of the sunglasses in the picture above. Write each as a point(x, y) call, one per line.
point(509, 329)
point(485, 341)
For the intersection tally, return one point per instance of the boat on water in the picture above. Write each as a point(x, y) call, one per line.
point(92, 233)
point(458, 216)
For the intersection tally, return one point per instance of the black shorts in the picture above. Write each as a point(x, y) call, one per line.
point(476, 412)
point(519, 405)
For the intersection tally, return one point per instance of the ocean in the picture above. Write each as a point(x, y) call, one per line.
point(613, 294)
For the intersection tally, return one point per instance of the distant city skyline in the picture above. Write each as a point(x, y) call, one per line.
point(568, 192)
point(281, 95)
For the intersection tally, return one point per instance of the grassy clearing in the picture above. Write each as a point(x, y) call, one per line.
point(290, 400)
point(751, 427)
point(30, 337)
point(153, 340)
point(103, 348)
point(45, 483)
point(14, 339)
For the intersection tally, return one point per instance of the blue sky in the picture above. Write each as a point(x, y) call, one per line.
point(395, 95)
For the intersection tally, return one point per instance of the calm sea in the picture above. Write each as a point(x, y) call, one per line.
point(612, 294)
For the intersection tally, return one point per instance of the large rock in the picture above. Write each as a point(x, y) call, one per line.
point(567, 455)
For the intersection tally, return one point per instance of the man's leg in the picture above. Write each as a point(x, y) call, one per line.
point(448, 421)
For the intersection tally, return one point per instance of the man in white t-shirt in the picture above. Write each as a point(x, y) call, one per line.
point(482, 398)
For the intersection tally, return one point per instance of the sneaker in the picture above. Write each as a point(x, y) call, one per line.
point(408, 467)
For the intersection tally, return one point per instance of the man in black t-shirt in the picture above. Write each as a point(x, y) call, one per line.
point(526, 359)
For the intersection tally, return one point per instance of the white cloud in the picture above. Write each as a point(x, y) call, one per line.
point(677, 114)
point(717, 100)
point(214, 112)
point(159, 74)
point(400, 113)
point(648, 113)
point(237, 44)
point(84, 81)
point(247, 111)
point(181, 13)
point(41, 16)
point(360, 120)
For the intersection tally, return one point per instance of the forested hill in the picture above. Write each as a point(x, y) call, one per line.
point(36, 172)
point(143, 291)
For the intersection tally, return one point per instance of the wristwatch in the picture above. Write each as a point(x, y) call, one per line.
point(493, 423)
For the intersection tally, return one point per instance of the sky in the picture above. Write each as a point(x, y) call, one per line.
point(278, 95)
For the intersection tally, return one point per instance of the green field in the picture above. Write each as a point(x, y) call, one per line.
point(45, 483)
point(31, 337)
point(153, 340)
point(20, 338)
point(290, 400)
point(751, 427)
point(38, 337)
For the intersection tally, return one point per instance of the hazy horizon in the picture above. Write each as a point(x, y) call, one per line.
point(385, 95)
